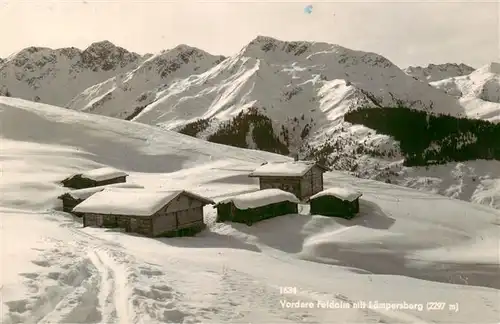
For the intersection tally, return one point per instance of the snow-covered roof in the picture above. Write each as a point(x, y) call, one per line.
point(133, 202)
point(260, 198)
point(102, 174)
point(283, 169)
point(87, 192)
point(340, 193)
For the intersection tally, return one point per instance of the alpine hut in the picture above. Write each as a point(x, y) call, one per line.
point(72, 198)
point(302, 178)
point(94, 178)
point(255, 206)
point(150, 213)
point(340, 202)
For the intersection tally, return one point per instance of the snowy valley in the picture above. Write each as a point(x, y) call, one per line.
point(405, 248)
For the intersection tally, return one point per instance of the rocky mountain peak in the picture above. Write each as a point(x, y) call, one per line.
point(269, 44)
point(436, 72)
point(185, 52)
point(32, 58)
point(273, 50)
point(106, 56)
point(70, 52)
point(170, 61)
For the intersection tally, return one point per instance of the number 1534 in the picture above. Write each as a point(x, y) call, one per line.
point(288, 290)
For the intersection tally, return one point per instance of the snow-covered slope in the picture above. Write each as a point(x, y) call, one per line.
point(124, 95)
point(479, 92)
point(56, 76)
point(436, 72)
point(404, 246)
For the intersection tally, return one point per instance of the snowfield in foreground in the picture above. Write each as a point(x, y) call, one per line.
point(407, 247)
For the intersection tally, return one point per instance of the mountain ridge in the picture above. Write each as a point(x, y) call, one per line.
point(38, 73)
point(136, 86)
point(436, 72)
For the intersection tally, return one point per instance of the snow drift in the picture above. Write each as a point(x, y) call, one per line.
point(114, 201)
point(87, 192)
point(340, 193)
point(260, 198)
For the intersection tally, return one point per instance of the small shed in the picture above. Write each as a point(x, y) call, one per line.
point(340, 202)
point(72, 198)
point(252, 207)
point(302, 178)
point(146, 212)
point(94, 178)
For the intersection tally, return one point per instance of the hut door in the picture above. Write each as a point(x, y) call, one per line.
point(133, 225)
point(99, 220)
point(317, 181)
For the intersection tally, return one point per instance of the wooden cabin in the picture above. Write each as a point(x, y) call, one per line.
point(95, 178)
point(252, 207)
point(302, 178)
point(339, 202)
point(150, 213)
point(72, 198)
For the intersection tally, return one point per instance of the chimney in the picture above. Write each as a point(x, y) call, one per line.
point(296, 156)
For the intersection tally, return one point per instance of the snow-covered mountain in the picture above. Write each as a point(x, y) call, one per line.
point(124, 95)
point(435, 72)
point(292, 78)
point(483, 83)
point(55, 76)
point(295, 96)
point(403, 247)
point(479, 92)
point(302, 89)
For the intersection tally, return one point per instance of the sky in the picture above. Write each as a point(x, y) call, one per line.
point(407, 33)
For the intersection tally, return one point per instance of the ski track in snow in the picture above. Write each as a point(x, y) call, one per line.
point(92, 285)
point(111, 290)
point(93, 280)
